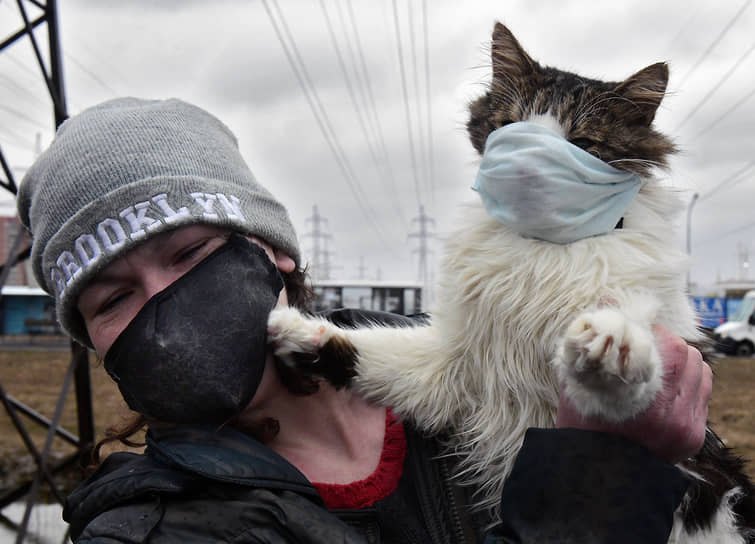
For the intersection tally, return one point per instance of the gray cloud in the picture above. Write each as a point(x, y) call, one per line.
point(226, 57)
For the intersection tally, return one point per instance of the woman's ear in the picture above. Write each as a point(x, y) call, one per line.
point(284, 262)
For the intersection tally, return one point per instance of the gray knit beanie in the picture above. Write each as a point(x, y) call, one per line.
point(128, 169)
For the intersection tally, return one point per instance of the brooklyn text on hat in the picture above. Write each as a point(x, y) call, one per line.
point(111, 233)
point(126, 170)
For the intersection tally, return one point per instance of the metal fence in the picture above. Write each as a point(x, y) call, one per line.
point(77, 378)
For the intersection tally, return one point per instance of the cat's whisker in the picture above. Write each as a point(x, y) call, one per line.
point(593, 105)
point(506, 94)
point(507, 90)
point(643, 162)
point(589, 106)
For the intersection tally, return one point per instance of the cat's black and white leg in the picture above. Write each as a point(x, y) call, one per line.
point(311, 346)
point(394, 366)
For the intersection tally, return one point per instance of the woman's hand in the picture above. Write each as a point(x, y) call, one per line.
point(673, 427)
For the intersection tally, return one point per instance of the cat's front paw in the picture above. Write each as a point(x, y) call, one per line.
point(310, 349)
point(609, 365)
point(292, 334)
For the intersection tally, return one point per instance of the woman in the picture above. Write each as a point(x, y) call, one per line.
point(165, 255)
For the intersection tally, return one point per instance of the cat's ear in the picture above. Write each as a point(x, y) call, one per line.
point(644, 92)
point(507, 56)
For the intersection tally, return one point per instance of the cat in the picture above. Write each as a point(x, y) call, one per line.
point(515, 315)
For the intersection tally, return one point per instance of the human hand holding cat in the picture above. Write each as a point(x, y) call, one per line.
point(674, 425)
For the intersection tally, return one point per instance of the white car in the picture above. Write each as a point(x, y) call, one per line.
point(737, 336)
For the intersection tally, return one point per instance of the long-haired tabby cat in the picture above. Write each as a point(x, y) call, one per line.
point(515, 314)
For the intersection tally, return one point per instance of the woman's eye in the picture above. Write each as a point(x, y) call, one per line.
point(190, 252)
point(112, 302)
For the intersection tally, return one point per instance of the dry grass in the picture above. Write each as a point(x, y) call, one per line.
point(34, 378)
point(732, 408)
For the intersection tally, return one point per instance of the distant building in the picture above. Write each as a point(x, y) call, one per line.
point(388, 296)
point(27, 310)
point(720, 300)
point(21, 273)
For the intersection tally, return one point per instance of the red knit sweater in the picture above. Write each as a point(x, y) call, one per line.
point(378, 485)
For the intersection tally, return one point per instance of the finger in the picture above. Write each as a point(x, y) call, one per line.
point(694, 437)
point(705, 391)
point(691, 406)
point(691, 377)
point(706, 388)
point(673, 352)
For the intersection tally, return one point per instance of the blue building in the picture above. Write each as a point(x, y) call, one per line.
point(27, 310)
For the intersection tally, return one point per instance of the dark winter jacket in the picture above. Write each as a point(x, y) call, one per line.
point(198, 484)
point(223, 486)
point(201, 485)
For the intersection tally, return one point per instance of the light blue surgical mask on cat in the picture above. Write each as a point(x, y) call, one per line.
point(534, 181)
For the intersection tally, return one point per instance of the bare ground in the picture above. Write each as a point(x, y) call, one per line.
point(732, 407)
point(34, 378)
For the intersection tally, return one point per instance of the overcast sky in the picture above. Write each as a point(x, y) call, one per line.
point(226, 57)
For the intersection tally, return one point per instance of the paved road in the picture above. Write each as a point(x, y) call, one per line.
point(45, 523)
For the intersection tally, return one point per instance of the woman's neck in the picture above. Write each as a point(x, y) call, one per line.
point(332, 436)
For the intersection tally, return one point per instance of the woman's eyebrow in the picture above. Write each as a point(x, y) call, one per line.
point(108, 276)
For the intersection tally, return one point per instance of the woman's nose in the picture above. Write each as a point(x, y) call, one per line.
point(156, 279)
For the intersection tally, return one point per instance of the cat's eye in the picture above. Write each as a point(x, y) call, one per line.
point(583, 143)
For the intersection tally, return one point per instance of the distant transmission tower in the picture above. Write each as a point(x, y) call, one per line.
point(423, 235)
point(361, 269)
point(320, 253)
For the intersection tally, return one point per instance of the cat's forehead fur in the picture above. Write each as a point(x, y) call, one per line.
point(612, 120)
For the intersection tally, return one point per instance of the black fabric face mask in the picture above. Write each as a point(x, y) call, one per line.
point(196, 351)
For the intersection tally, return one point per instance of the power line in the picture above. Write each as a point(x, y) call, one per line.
point(687, 23)
point(428, 99)
point(347, 78)
point(373, 108)
point(94, 54)
point(357, 109)
point(720, 82)
point(721, 117)
point(92, 75)
point(20, 140)
point(358, 77)
point(718, 237)
point(402, 70)
point(25, 93)
point(423, 136)
point(732, 178)
point(417, 96)
point(24, 117)
point(321, 116)
point(715, 42)
point(21, 65)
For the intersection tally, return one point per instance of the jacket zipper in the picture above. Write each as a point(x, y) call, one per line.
point(426, 505)
point(453, 507)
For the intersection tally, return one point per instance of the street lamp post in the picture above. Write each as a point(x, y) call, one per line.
point(689, 232)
